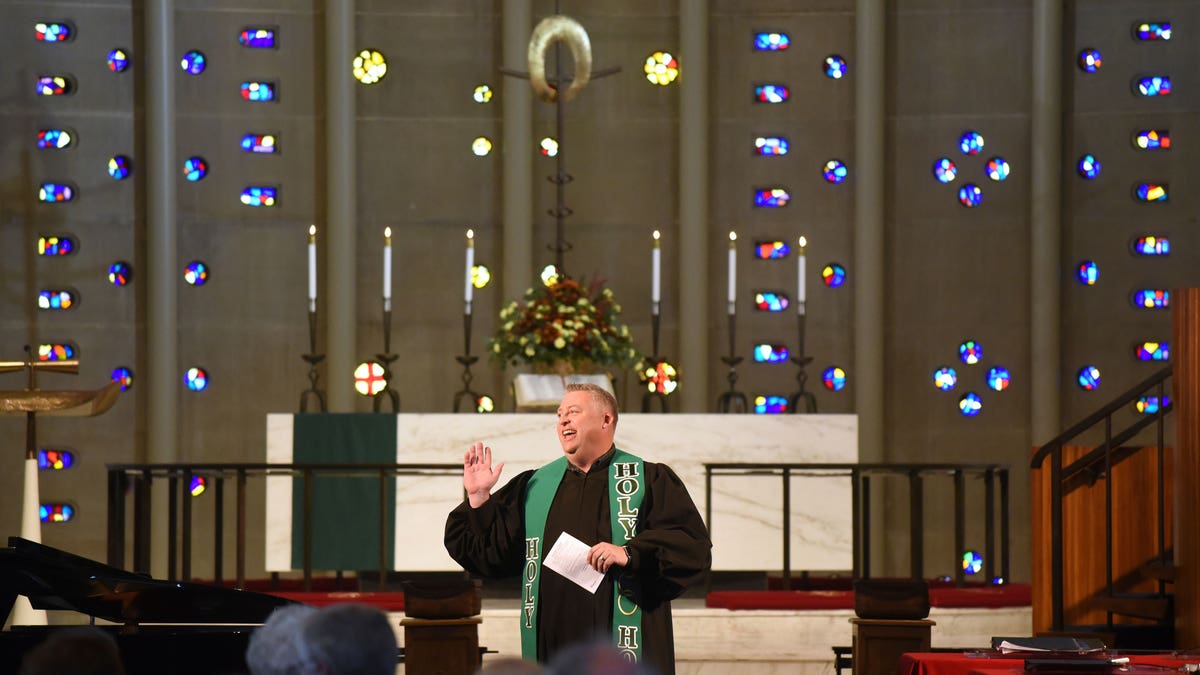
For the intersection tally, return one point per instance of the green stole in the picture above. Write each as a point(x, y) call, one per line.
point(626, 488)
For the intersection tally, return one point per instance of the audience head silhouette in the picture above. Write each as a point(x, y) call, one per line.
point(80, 651)
point(338, 640)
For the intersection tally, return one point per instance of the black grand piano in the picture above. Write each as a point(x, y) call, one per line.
point(160, 626)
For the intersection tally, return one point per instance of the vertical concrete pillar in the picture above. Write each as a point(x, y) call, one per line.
point(517, 152)
point(340, 234)
point(694, 236)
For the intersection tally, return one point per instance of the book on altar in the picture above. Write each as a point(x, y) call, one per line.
point(542, 393)
point(1009, 645)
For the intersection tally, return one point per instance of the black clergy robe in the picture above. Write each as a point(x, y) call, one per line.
point(670, 551)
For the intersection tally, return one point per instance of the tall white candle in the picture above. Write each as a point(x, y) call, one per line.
point(732, 271)
point(312, 268)
point(387, 264)
point(469, 285)
point(800, 269)
point(655, 273)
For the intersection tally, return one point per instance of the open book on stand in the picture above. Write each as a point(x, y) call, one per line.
point(1061, 645)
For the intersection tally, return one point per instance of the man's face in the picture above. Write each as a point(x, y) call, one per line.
point(584, 428)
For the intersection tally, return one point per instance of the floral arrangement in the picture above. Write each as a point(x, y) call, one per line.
point(563, 326)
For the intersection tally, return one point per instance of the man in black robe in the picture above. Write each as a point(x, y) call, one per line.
point(669, 551)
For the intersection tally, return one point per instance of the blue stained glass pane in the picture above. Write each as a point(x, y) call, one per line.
point(834, 378)
point(258, 92)
point(970, 143)
point(1152, 351)
point(771, 42)
point(945, 378)
point(1153, 85)
point(195, 273)
point(972, 562)
point(944, 170)
point(195, 168)
point(56, 513)
point(834, 171)
point(834, 67)
point(768, 353)
point(771, 198)
point(119, 167)
point(119, 273)
point(1148, 405)
point(124, 376)
point(56, 31)
point(1088, 167)
point(55, 246)
point(193, 63)
point(118, 60)
point(257, 38)
point(833, 275)
point(55, 192)
point(1151, 192)
point(55, 460)
point(1088, 273)
point(970, 352)
point(970, 195)
point(997, 168)
point(54, 85)
point(259, 196)
point(998, 378)
point(770, 93)
point(1152, 31)
point(55, 299)
point(770, 146)
point(1152, 139)
point(54, 139)
point(1089, 378)
point(770, 301)
point(1152, 298)
point(1090, 60)
point(56, 351)
point(770, 405)
point(970, 405)
point(196, 379)
point(771, 250)
point(1150, 245)
point(264, 144)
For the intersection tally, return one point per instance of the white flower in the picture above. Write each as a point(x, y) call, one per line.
point(559, 343)
point(530, 351)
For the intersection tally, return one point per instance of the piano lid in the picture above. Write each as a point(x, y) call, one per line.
point(55, 579)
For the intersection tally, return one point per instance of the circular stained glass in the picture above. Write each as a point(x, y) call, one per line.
point(661, 68)
point(193, 62)
point(195, 168)
point(998, 378)
point(834, 171)
point(481, 276)
point(970, 143)
point(1088, 167)
point(124, 376)
point(196, 273)
point(1087, 273)
point(549, 147)
point(482, 93)
point(834, 275)
point(834, 67)
point(972, 562)
point(485, 404)
point(834, 378)
point(970, 195)
point(1089, 378)
point(368, 378)
point(1090, 60)
point(118, 61)
point(997, 168)
point(945, 378)
point(944, 170)
point(369, 66)
point(970, 352)
point(119, 167)
point(120, 273)
point(660, 377)
point(197, 486)
point(481, 146)
point(196, 379)
point(970, 404)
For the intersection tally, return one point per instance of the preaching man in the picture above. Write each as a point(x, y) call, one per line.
point(635, 519)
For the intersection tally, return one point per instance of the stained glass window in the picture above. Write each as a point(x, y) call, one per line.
point(481, 276)
point(54, 246)
point(972, 562)
point(120, 273)
point(970, 404)
point(119, 167)
point(771, 250)
point(770, 93)
point(484, 404)
point(658, 378)
point(193, 62)
point(770, 405)
point(196, 379)
point(55, 460)
point(770, 146)
point(260, 144)
point(482, 93)
point(197, 485)
point(1152, 85)
point(53, 31)
point(1087, 273)
point(1090, 60)
point(1152, 139)
point(195, 168)
point(661, 68)
point(368, 378)
point(370, 66)
point(771, 198)
point(770, 301)
point(944, 170)
point(55, 299)
point(997, 168)
point(834, 378)
point(1148, 405)
point(56, 351)
point(259, 195)
point(970, 352)
point(833, 275)
point(970, 195)
point(549, 147)
point(55, 192)
point(1151, 245)
point(58, 512)
point(945, 378)
point(257, 38)
point(54, 139)
point(195, 273)
point(970, 143)
point(55, 85)
point(834, 67)
point(998, 378)
point(1088, 378)
point(1151, 192)
point(834, 171)
point(1152, 298)
point(771, 42)
point(1152, 31)
point(1088, 167)
point(481, 146)
point(118, 60)
point(1152, 351)
point(768, 353)
point(124, 376)
point(258, 92)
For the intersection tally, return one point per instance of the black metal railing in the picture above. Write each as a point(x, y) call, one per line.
point(994, 477)
point(1096, 464)
point(139, 479)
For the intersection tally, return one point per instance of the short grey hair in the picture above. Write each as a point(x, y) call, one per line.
point(350, 639)
point(599, 394)
point(279, 647)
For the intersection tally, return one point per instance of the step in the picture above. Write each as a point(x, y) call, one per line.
point(1142, 605)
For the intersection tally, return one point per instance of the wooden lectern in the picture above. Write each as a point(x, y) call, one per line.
point(878, 643)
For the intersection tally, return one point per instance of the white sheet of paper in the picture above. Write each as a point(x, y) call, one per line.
point(568, 557)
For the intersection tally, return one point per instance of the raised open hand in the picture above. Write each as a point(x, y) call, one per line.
point(478, 475)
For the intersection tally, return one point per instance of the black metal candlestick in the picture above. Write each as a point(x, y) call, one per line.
point(466, 360)
point(732, 401)
point(386, 359)
point(312, 358)
point(653, 362)
point(810, 401)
